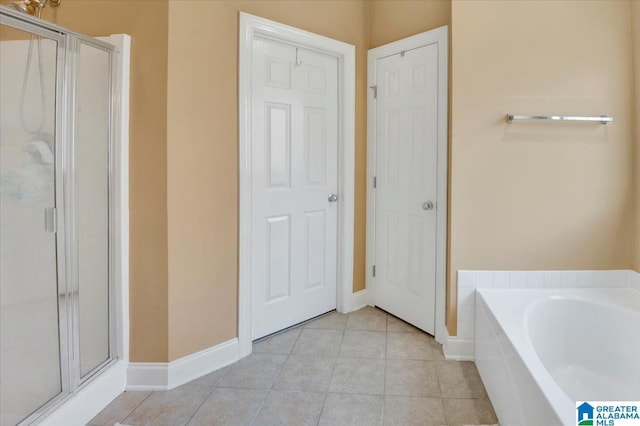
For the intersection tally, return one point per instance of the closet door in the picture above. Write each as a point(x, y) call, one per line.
point(33, 357)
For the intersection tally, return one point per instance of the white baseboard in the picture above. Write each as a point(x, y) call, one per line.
point(360, 299)
point(458, 349)
point(168, 375)
point(80, 408)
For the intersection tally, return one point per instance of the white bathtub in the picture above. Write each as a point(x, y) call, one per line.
point(540, 351)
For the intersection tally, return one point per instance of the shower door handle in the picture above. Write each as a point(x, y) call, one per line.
point(50, 220)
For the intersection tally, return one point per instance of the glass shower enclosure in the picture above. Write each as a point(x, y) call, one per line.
point(57, 127)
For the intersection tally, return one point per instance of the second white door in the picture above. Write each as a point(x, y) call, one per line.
point(294, 185)
point(406, 189)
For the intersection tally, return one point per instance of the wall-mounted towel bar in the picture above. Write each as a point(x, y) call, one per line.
point(603, 119)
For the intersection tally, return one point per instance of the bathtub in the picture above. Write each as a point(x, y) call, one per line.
point(540, 351)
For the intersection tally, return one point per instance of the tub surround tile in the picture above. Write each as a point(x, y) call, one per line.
point(461, 345)
point(620, 278)
point(119, 408)
point(553, 279)
point(358, 375)
point(469, 412)
point(413, 411)
point(484, 279)
point(535, 279)
point(466, 296)
point(500, 279)
point(586, 279)
point(569, 279)
point(518, 279)
point(404, 377)
point(318, 342)
point(466, 329)
point(363, 344)
point(466, 313)
point(257, 371)
point(357, 410)
point(466, 279)
point(635, 280)
point(229, 407)
point(172, 407)
point(281, 343)
point(291, 408)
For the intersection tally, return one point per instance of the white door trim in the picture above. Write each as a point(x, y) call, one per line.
point(251, 26)
point(438, 36)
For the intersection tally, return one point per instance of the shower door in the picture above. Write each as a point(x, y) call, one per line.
point(56, 144)
point(31, 291)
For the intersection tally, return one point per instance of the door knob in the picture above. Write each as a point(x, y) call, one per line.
point(427, 205)
point(333, 197)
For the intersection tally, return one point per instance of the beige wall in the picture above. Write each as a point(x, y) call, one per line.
point(541, 195)
point(203, 154)
point(522, 196)
point(146, 22)
point(392, 20)
point(635, 22)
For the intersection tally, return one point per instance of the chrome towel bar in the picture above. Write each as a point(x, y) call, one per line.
point(603, 119)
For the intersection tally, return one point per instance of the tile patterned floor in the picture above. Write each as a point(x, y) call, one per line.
point(365, 368)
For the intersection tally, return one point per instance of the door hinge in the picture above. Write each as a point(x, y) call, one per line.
point(374, 270)
point(375, 91)
point(375, 182)
point(50, 222)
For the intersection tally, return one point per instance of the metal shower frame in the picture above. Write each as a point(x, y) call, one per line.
point(68, 45)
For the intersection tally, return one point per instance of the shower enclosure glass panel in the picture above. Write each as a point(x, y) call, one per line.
point(57, 126)
point(30, 364)
point(92, 105)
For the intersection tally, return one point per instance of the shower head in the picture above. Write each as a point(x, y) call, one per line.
point(32, 7)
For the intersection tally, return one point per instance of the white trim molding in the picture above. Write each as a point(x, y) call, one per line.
point(439, 36)
point(360, 299)
point(250, 27)
point(145, 376)
point(121, 293)
point(85, 404)
point(459, 349)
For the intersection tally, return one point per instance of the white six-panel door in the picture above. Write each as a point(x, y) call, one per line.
point(406, 190)
point(294, 170)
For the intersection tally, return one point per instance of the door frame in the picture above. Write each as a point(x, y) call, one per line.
point(439, 36)
point(250, 27)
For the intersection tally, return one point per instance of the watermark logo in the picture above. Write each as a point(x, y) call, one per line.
point(608, 413)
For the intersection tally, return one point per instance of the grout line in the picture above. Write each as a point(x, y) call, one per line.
point(299, 325)
point(255, 415)
point(136, 407)
point(335, 363)
point(200, 406)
